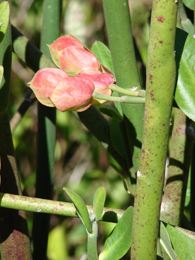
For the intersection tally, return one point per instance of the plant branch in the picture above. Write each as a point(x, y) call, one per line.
point(51, 207)
point(132, 91)
point(159, 96)
point(121, 99)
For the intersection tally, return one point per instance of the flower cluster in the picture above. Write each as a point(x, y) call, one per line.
point(79, 75)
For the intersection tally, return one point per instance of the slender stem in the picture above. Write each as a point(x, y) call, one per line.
point(46, 135)
point(118, 24)
point(159, 96)
point(122, 99)
point(133, 91)
point(92, 242)
point(120, 39)
point(51, 207)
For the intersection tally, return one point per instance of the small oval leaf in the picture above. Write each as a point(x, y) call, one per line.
point(103, 54)
point(4, 18)
point(185, 90)
point(119, 242)
point(81, 208)
point(98, 202)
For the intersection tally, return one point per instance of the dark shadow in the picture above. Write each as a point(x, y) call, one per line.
point(10, 220)
point(110, 216)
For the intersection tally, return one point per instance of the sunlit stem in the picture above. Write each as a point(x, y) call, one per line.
point(132, 91)
point(92, 242)
point(122, 99)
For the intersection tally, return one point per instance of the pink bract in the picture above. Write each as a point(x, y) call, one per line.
point(71, 56)
point(65, 41)
point(101, 81)
point(44, 82)
point(73, 93)
point(74, 60)
point(72, 86)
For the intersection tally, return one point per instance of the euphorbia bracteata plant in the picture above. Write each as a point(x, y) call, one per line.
point(80, 75)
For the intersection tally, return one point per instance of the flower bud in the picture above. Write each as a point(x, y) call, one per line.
point(101, 81)
point(44, 82)
point(69, 54)
point(73, 93)
point(60, 44)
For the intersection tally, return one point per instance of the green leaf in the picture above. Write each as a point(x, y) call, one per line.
point(81, 209)
point(190, 4)
point(98, 202)
point(103, 55)
point(166, 243)
point(183, 242)
point(185, 91)
point(4, 18)
point(119, 242)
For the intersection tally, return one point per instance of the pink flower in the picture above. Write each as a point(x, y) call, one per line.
point(69, 54)
point(44, 82)
point(71, 87)
point(101, 81)
point(73, 93)
point(54, 88)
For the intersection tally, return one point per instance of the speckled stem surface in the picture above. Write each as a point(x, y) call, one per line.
point(60, 208)
point(159, 96)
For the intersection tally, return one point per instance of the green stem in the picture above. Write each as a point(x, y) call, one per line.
point(118, 24)
point(159, 96)
point(92, 242)
point(60, 208)
point(121, 99)
point(133, 91)
point(46, 134)
point(120, 39)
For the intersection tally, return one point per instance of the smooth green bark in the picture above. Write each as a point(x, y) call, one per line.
point(159, 96)
point(46, 134)
point(118, 25)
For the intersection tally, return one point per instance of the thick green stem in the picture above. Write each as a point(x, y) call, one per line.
point(159, 95)
point(60, 208)
point(46, 134)
point(14, 239)
point(171, 207)
point(118, 24)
